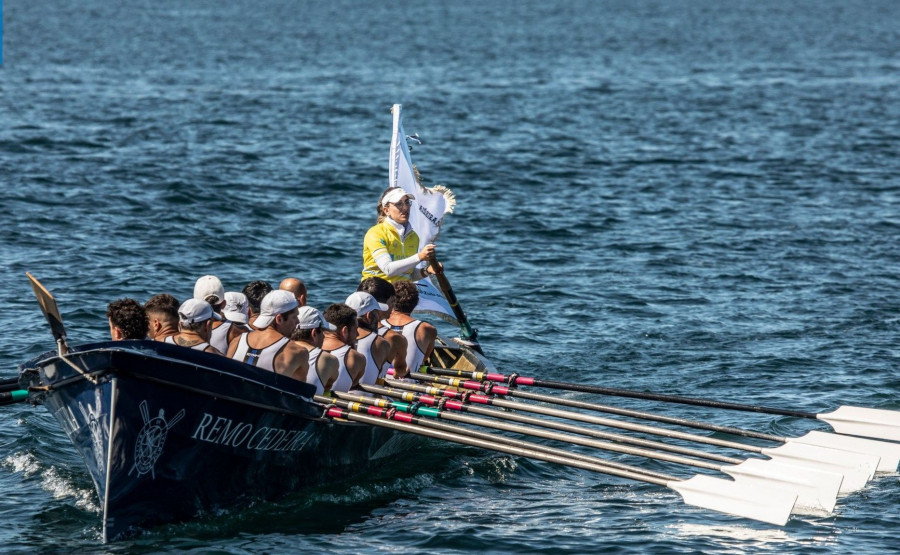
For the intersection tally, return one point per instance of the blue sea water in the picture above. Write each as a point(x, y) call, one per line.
point(689, 197)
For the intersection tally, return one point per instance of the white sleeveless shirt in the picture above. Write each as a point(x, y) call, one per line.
point(261, 358)
point(219, 337)
point(343, 381)
point(364, 346)
point(414, 355)
point(199, 346)
point(312, 376)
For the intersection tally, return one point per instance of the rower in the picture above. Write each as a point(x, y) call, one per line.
point(195, 318)
point(255, 291)
point(162, 314)
point(296, 287)
point(419, 335)
point(391, 246)
point(339, 342)
point(324, 368)
point(210, 289)
point(374, 347)
point(269, 347)
point(383, 292)
point(237, 309)
point(127, 320)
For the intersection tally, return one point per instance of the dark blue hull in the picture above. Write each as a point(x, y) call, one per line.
point(168, 432)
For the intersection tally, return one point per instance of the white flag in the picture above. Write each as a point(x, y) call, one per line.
point(430, 206)
point(432, 301)
point(425, 215)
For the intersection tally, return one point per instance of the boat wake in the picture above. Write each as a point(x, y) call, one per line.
point(60, 487)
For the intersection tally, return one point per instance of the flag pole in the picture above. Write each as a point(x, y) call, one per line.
point(467, 332)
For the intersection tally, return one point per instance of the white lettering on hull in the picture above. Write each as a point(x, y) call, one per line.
point(224, 431)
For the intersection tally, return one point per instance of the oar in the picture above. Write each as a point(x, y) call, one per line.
point(51, 313)
point(744, 499)
point(10, 397)
point(10, 387)
point(850, 420)
point(888, 453)
point(9, 381)
point(449, 399)
point(816, 490)
point(857, 468)
point(467, 332)
point(359, 403)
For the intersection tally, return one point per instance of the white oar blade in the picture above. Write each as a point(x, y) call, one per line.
point(888, 452)
point(816, 490)
point(857, 468)
point(860, 421)
point(745, 499)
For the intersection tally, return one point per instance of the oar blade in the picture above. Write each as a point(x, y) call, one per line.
point(888, 452)
point(861, 421)
point(744, 499)
point(816, 490)
point(857, 468)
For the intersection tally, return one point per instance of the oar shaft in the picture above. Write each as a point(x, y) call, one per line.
point(9, 387)
point(10, 397)
point(9, 381)
point(551, 424)
point(336, 412)
point(616, 392)
point(348, 401)
point(602, 445)
point(672, 434)
point(513, 392)
point(466, 329)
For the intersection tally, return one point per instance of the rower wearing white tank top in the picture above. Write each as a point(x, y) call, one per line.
point(310, 334)
point(269, 347)
point(419, 335)
point(195, 319)
point(340, 343)
point(211, 290)
point(383, 292)
point(374, 347)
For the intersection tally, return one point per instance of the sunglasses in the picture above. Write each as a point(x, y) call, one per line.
point(404, 202)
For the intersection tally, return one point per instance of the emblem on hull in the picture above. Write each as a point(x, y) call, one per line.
point(151, 440)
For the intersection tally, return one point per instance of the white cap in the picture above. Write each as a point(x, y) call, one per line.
point(364, 303)
point(276, 302)
point(209, 286)
point(394, 195)
point(192, 311)
point(310, 319)
point(237, 308)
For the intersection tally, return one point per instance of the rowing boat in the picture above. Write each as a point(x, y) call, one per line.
point(168, 433)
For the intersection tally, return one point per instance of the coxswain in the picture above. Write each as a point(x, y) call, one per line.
point(195, 318)
point(339, 342)
point(324, 367)
point(372, 346)
point(391, 246)
point(162, 314)
point(269, 346)
point(419, 335)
